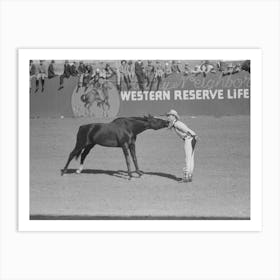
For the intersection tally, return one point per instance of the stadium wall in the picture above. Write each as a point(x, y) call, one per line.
point(230, 96)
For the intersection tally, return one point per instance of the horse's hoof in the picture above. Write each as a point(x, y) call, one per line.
point(78, 171)
point(62, 172)
point(139, 172)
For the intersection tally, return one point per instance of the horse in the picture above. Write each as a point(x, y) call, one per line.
point(96, 93)
point(121, 132)
point(90, 97)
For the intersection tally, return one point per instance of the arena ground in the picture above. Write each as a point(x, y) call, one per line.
point(220, 190)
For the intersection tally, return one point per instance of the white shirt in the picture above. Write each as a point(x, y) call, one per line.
point(181, 129)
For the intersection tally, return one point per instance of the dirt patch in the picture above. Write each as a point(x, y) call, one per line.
point(220, 190)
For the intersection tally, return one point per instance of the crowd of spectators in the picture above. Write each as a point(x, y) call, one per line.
point(144, 75)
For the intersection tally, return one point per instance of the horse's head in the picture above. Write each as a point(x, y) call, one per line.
point(156, 123)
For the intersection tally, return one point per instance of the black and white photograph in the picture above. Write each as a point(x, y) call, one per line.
point(140, 139)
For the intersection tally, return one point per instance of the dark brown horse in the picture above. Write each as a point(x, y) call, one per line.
point(121, 132)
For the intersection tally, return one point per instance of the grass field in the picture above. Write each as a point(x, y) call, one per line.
point(220, 190)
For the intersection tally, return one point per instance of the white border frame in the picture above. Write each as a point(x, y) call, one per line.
point(254, 224)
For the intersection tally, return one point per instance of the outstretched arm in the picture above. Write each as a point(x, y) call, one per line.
point(184, 129)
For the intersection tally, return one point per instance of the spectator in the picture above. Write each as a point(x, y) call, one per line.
point(150, 74)
point(219, 65)
point(175, 67)
point(167, 69)
point(140, 75)
point(103, 74)
point(187, 69)
point(246, 66)
point(81, 73)
point(207, 67)
point(124, 75)
point(89, 70)
point(130, 71)
point(88, 76)
point(51, 73)
point(158, 74)
point(32, 73)
point(196, 71)
point(74, 71)
point(109, 72)
point(66, 74)
point(42, 74)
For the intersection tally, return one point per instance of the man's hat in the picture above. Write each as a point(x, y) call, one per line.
point(173, 113)
point(52, 61)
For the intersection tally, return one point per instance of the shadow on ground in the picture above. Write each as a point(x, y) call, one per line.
point(123, 174)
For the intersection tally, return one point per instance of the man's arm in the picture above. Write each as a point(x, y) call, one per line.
point(184, 129)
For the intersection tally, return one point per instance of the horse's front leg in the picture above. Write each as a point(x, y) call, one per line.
point(126, 155)
point(134, 158)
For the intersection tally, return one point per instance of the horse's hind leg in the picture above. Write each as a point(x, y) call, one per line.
point(75, 153)
point(83, 157)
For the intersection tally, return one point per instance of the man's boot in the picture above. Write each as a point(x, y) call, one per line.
point(185, 178)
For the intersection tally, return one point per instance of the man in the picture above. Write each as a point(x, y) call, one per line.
point(167, 69)
point(246, 66)
point(123, 79)
point(89, 75)
point(73, 69)
point(109, 72)
point(42, 74)
point(150, 75)
point(51, 73)
point(66, 74)
point(130, 71)
point(175, 67)
point(32, 73)
point(81, 72)
point(159, 72)
point(187, 70)
point(206, 67)
point(140, 74)
point(189, 137)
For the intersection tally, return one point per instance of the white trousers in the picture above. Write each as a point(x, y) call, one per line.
point(189, 153)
